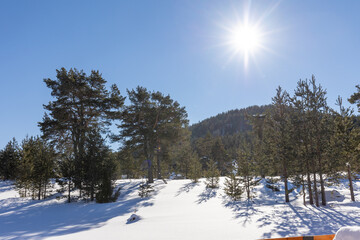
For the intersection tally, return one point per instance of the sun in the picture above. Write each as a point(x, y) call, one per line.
point(245, 38)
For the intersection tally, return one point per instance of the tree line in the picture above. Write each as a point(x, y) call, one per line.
point(298, 136)
point(73, 147)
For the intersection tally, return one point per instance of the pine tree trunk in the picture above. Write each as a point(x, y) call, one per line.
point(315, 189)
point(286, 189)
point(149, 162)
point(350, 184)
point(39, 193)
point(323, 196)
point(286, 183)
point(303, 189)
point(92, 192)
point(44, 191)
point(69, 188)
point(158, 165)
point(309, 184)
point(248, 187)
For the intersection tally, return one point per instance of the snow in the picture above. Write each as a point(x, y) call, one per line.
point(177, 210)
point(348, 233)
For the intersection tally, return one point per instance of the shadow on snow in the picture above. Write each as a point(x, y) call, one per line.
point(39, 219)
point(187, 187)
point(306, 220)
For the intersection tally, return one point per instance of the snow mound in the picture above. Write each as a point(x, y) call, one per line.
point(348, 233)
point(133, 218)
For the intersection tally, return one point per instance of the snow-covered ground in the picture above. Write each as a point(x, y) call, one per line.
point(177, 210)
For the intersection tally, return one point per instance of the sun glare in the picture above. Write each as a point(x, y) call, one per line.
point(245, 38)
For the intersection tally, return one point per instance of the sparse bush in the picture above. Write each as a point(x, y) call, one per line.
point(145, 190)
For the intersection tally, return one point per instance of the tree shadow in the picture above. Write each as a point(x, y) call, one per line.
point(302, 220)
point(206, 195)
point(6, 186)
point(40, 219)
point(186, 188)
point(243, 210)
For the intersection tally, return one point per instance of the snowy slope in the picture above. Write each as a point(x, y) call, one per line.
point(177, 210)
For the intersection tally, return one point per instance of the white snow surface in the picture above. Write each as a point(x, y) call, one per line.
point(177, 210)
point(348, 233)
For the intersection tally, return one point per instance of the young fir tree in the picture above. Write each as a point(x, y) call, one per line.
point(257, 140)
point(9, 160)
point(195, 168)
point(203, 148)
point(105, 187)
point(180, 153)
point(36, 167)
point(233, 187)
point(346, 140)
point(219, 155)
point(212, 175)
point(279, 122)
point(245, 166)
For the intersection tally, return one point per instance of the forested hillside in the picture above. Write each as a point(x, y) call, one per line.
point(227, 123)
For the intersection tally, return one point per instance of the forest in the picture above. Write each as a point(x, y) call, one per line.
point(297, 136)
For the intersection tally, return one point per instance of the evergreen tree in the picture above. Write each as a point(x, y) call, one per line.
point(219, 155)
point(279, 122)
point(148, 122)
point(129, 162)
point(107, 171)
point(312, 100)
point(259, 157)
point(203, 148)
point(9, 160)
point(233, 187)
point(212, 175)
point(81, 105)
point(195, 167)
point(345, 142)
point(36, 167)
point(245, 166)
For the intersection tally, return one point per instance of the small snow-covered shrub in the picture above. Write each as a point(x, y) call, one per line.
point(145, 190)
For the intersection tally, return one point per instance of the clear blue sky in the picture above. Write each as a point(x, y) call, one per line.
point(176, 47)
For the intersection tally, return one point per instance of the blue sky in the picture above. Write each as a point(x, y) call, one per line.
point(176, 47)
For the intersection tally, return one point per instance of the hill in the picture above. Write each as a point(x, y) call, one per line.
point(227, 123)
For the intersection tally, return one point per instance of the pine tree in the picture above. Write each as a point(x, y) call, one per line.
point(233, 187)
point(212, 175)
point(220, 156)
point(310, 100)
point(245, 166)
point(150, 121)
point(345, 142)
point(36, 167)
point(279, 122)
point(195, 167)
point(203, 148)
point(81, 105)
point(9, 160)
